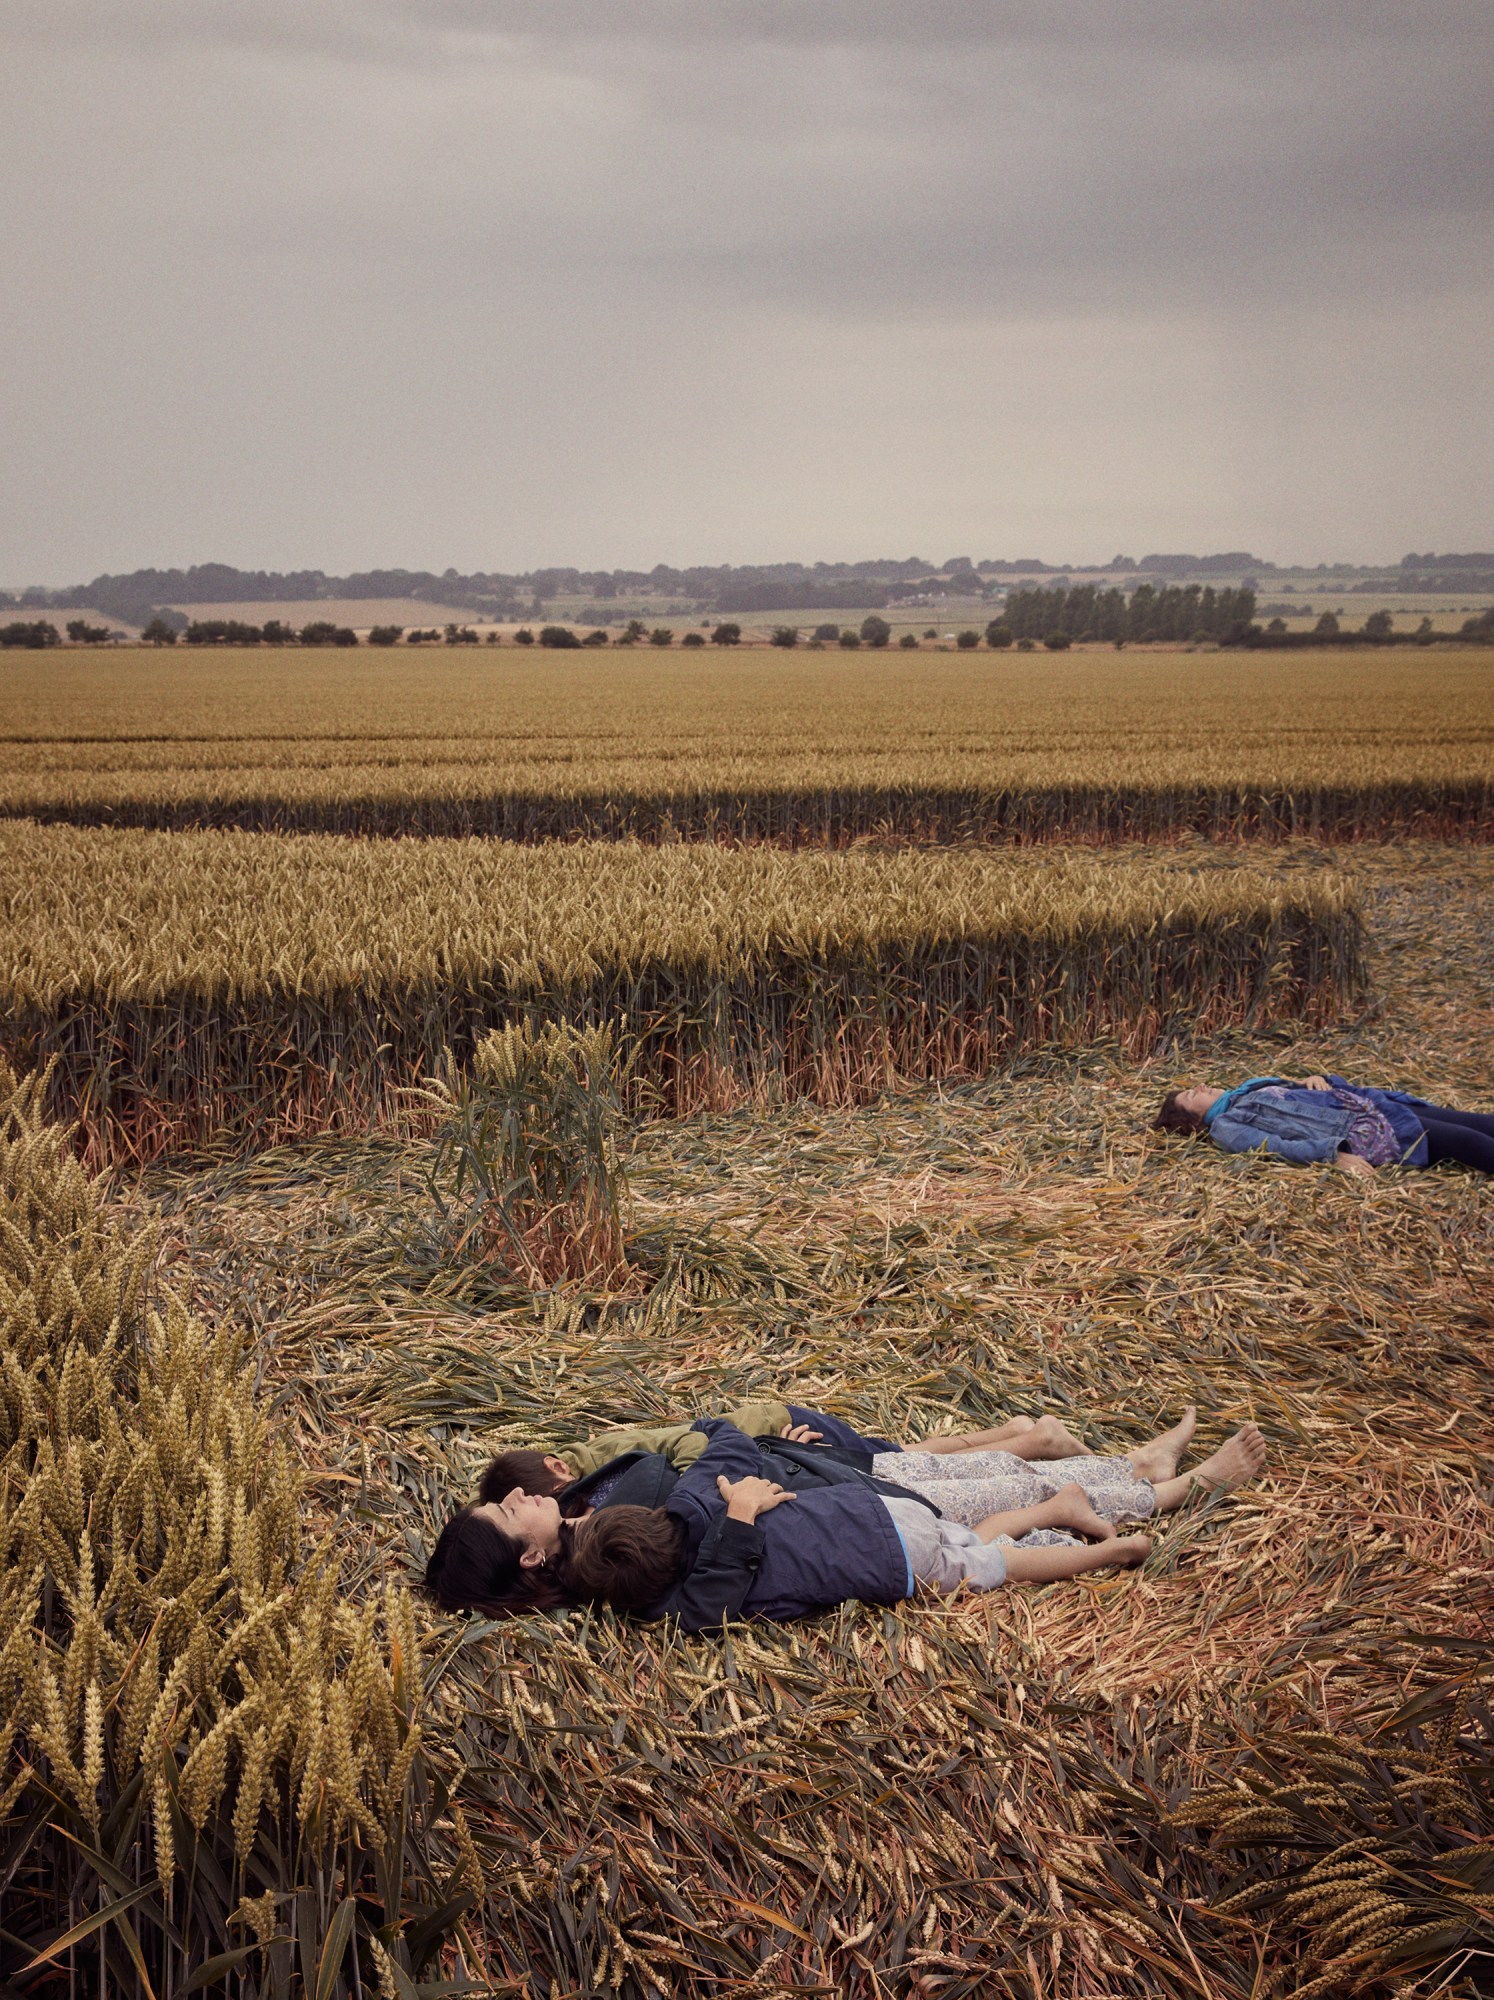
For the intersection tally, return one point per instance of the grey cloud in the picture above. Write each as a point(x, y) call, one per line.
point(865, 175)
point(329, 232)
point(1231, 29)
point(864, 182)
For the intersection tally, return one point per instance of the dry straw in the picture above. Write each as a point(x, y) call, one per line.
point(1149, 1787)
point(208, 989)
point(1036, 1795)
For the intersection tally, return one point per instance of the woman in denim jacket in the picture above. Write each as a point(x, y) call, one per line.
point(1356, 1126)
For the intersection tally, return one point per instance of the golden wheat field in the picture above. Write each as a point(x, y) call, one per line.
point(211, 989)
point(758, 746)
point(287, 1248)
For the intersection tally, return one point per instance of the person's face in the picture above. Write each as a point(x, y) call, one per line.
point(532, 1519)
point(1197, 1098)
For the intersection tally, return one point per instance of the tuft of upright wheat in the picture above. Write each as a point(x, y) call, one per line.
point(525, 1157)
point(201, 1734)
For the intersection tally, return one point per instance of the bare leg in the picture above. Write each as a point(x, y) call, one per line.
point(1021, 1437)
point(1045, 1565)
point(1067, 1508)
point(1048, 1438)
point(1002, 1437)
point(1158, 1459)
point(1239, 1459)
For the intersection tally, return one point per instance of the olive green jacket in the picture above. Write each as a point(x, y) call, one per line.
point(679, 1443)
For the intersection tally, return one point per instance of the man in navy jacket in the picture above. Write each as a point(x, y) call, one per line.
point(836, 1541)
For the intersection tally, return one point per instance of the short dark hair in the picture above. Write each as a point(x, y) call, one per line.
point(1176, 1117)
point(525, 1469)
point(627, 1557)
point(475, 1566)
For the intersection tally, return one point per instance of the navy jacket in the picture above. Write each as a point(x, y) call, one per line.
point(644, 1479)
point(832, 1543)
point(1305, 1124)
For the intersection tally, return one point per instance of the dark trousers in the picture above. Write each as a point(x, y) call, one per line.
point(1464, 1136)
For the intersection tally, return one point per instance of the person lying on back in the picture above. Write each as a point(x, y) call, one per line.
point(1359, 1127)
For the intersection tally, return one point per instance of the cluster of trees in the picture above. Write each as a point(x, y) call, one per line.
point(1231, 562)
point(1151, 611)
point(873, 631)
point(235, 632)
point(634, 633)
point(34, 633)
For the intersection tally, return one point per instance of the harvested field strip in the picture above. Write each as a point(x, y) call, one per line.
point(805, 751)
point(1187, 703)
point(1262, 1762)
point(203, 989)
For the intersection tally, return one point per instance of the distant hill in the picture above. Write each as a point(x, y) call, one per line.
point(1433, 572)
point(135, 598)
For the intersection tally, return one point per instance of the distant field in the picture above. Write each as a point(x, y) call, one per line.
point(933, 625)
point(362, 612)
point(1447, 610)
point(755, 745)
point(359, 612)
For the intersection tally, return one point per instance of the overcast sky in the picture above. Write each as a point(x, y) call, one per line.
point(344, 283)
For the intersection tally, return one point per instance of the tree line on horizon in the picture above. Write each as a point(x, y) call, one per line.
point(1189, 614)
point(723, 589)
point(1155, 607)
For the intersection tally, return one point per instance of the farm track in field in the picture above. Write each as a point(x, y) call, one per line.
point(1260, 1767)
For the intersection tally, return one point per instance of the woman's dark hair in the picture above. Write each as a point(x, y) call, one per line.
point(628, 1557)
point(1175, 1117)
point(475, 1567)
point(524, 1469)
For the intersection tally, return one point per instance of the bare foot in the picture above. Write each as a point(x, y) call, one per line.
point(1159, 1458)
point(1070, 1508)
point(1129, 1551)
point(1238, 1459)
point(1054, 1440)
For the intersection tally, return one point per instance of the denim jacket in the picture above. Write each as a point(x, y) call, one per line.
point(1291, 1123)
point(1294, 1123)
